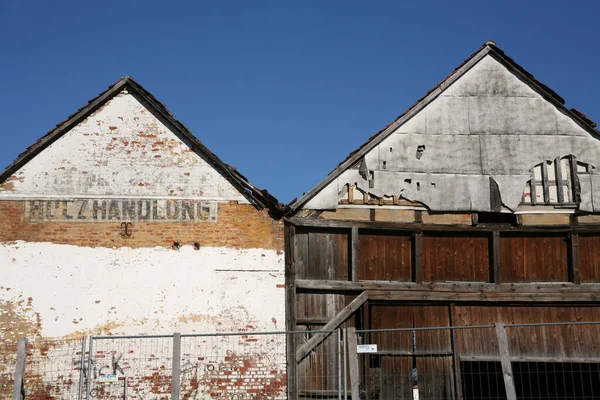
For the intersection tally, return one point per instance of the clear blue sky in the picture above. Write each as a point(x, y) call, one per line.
point(283, 90)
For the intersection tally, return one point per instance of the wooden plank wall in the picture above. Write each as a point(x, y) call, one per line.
point(589, 258)
point(384, 257)
point(534, 258)
point(323, 254)
point(391, 372)
point(573, 341)
point(455, 258)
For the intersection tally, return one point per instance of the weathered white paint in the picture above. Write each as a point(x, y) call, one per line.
point(488, 123)
point(120, 150)
point(147, 290)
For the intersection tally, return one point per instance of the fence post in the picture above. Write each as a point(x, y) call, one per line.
point(507, 372)
point(339, 362)
point(82, 369)
point(175, 376)
point(18, 389)
point(353, 359)
point(89, 374)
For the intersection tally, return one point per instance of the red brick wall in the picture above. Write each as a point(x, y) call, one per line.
point(238, 226)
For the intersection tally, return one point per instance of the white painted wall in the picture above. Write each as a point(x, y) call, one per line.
point(121, 150)
point(147, 290)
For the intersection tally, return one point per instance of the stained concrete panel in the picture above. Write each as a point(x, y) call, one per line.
point(448, 115)
point(511, 115)
point(443, 153)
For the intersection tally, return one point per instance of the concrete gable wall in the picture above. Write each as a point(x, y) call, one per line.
point(488, 123)
point(122, 149)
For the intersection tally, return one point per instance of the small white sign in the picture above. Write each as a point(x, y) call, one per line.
point(107, 378)
point(366, 348)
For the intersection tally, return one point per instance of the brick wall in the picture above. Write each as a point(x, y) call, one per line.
point(239, 226)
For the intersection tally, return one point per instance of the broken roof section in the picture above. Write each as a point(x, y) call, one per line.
point(511, 75)
point(259, 198)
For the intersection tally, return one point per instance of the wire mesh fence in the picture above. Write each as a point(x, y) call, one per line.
point(8, 359)
point(136, 367)
point(54, 369)
point(320, 372)
point(233, 366)
point(526, 361)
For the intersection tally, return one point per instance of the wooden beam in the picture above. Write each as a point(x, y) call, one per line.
point(290, 308)
point(486, 297)
point(354, 253)
point(418, 257)
point(335, 286)
point(532, 185)
point(507, 372)
point(586, 360)
point(350, 334)
point(559, 181)
point(418, 227)
point(335, 323)
point(545, 183)
point(450, 292)
point(574, 261)
point(496, 257)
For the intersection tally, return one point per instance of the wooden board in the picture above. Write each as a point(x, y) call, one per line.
point(455, 258)
point(589, 258)
point(322, 254)
point(384, 257)
point(533, 258)
point(556, 342)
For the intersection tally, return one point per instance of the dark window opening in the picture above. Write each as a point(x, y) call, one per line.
point(497, 218)
point(565, 381)
point(532, 380)
point(482, 380)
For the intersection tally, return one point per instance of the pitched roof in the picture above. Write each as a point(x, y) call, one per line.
point(488, 48)
point(259, 198)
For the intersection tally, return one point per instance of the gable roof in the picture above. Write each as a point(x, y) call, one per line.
point(259, 198)
point(488, 48)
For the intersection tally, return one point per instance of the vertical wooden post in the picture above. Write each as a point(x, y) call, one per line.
point(18, 389)
point(574, 267)
point(507, 372)
point(418, 258)
point(496, 257)
point(354, 253)
point(176, 368)
point(559, 181)
point(290, 309)
point(455, 354)
point(353, 360)
point(545, 184)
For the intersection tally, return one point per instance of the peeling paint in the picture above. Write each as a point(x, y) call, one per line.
point(488, 124)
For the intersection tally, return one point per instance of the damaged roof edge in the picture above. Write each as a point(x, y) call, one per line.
point(257, 197)
point(488, 47)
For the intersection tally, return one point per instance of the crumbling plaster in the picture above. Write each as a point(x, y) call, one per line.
point(488, 123)
point(78, 290)
point(122, 149)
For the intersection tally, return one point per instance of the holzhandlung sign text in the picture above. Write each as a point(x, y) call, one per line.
point(91, 210)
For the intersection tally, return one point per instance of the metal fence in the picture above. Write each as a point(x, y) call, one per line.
point(519, 361)
point(526, 361)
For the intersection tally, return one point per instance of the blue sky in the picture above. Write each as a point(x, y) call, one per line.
point(283, 90)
